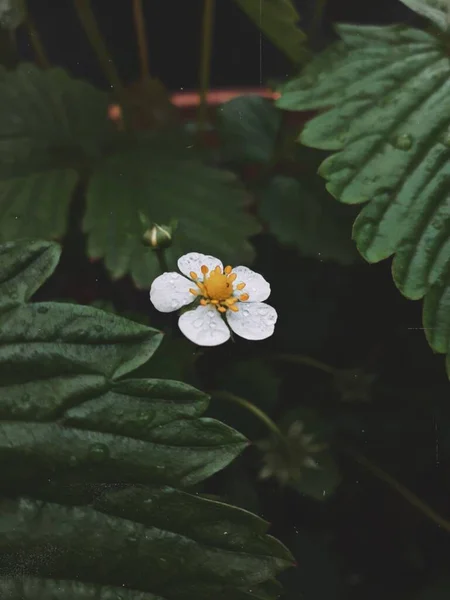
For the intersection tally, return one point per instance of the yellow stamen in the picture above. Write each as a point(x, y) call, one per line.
point(214, 302)
point(228, 270)
point(240, 286)
point(231, 300)
point(204, 269)
point(221, 309)
point(232, 277)
point(195, 292)
point(193, 275)
point(244, 297)
point(218, 270)
point(203, 302)
point(233, 307)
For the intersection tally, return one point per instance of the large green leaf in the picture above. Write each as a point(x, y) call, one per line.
point(278, 20)
point(302, 214)
point(71, 423)
point(157, 180)
point(390, 117)
point(437, 11)
point(51, 128)
point(248, 126)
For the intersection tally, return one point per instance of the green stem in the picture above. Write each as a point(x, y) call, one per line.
point(162, 261)
point(89, 23)
point(402, 490)
point(139, 24)
point(35, 39)
point(261, 415)
point(205, 61)
point(306, 360)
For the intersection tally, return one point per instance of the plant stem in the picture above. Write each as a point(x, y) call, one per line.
point(35, 39)
point(163, 266)
point(89, 23)
point(402, 490)
point(260, 414)
point(205, 61)
point(306, 360)
point(139, 24)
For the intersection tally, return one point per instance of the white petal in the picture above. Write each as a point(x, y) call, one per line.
point(255, 285)
point(253, 321)
point(204, 326)
point(193, 261)
point(170, 291)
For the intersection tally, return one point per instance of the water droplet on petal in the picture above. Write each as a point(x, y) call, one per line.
point(403, 141)
point(212, 325)
point(245, 313)
point(198, 323)
point(174, 303)
point(211, 315)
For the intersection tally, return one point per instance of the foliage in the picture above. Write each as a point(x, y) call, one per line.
point(392, 153)
point(72, 418)
point(120, 479)
point(278, 20)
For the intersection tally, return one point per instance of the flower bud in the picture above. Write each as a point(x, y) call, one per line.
point(158, 237)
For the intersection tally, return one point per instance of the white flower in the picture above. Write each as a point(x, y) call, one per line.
point(220, 293)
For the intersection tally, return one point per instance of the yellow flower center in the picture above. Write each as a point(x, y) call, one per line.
point(217, 288)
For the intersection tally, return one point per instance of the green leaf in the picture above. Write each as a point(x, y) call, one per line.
point(93, 461)
point(158, 180)
point(389, 123)
point(51, 127)
point(24, 267)
point(304, 215)
point(185, 542)
point(248, 126)
point(12, 13)
point(278, 20)
point(437, 11)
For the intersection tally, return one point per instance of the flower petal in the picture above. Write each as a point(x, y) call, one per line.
point(253, 321)
point(170, 291)
point(255, 285)
point(204, 326)
point(193, 262)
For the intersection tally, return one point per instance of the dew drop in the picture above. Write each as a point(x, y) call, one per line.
point(262, 312)
point(42, 310)
point(212, 325)
point(403, 141)
point(245, 313)
point(211, 315)
point(174, 303)
point(198, 323)
point(98, 452)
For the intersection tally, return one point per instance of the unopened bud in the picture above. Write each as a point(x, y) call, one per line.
point(158, 237)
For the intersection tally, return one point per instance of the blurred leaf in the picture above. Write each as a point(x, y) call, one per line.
point(12, 13)
point(437, 11)
point(303, 214)
point(69, 418)
point(158, 180)
point(52, 127)
point(387, 94)
point(248, 127)
point(278, 20)
point(173, 360)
